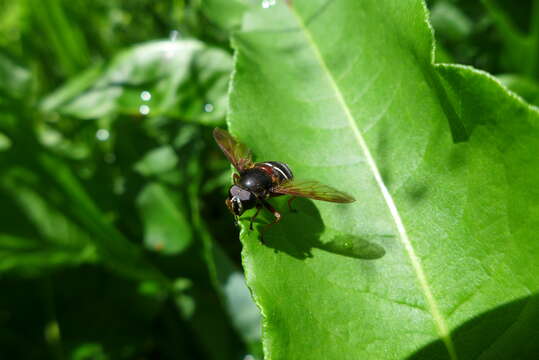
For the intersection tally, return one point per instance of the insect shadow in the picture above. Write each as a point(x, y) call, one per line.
point(301, 231)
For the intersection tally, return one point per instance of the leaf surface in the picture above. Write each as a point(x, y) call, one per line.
point(441, 158)
point(156, 78)
point(166, 228)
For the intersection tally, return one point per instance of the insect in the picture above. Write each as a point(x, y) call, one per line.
point(256, 182)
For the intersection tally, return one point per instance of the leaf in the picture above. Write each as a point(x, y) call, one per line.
point(59, 242)
point(523, 86)
point(443, 162)
point(519, 50)
point(226, 15)
point(157, 161)
point(32, 257)
point(15, 79)
point(181, 78)
point(56, 184)
point(450, 21)
point(71, 89)
point(166, 228)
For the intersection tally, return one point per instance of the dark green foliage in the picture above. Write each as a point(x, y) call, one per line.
point(109, 175)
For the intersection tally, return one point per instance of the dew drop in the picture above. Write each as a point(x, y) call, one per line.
point(248, 357)
point(208, 108)
point(102, 134)
point(144, 109)
point(266, 4)
point(145, 95)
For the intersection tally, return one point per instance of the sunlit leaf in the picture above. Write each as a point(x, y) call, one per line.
point(15, 79)
point(33, 256)
point(157, 161)
point(442, 161)
point(525, 87)
point(166, 228)
point(157, 78)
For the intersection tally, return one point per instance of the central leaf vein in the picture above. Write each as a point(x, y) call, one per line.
point(441, 325)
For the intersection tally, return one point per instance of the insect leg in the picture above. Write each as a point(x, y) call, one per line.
point(292, 198)
point(275, 221)
point(236, 178)
point(258, 208)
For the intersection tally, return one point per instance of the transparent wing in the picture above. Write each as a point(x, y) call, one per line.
point(237, 153)
point(313, 190)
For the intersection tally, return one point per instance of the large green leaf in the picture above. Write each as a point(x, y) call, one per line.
point(443, 162)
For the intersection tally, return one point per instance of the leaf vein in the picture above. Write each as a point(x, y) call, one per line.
point(439, 321)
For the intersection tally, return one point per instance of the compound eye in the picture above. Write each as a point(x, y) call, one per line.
point(237, 206)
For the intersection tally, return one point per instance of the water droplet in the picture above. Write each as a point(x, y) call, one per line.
point(266, 4)
point(102, 134)
point(248, 357)
point(208, 108)
point(145, 95)
point(144, 109)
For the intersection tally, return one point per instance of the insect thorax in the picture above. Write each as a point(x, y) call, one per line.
point(255, 180)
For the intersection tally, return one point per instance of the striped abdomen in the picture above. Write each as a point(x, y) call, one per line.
point(277, 170)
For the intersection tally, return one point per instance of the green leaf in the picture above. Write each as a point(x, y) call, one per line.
point(15, 79)
point(157, 161)
point(520, 50)
point(226, 14)
point(64, 38)
point(32, 256)
point(116, 251)
point(166, 228)
point(182, 78)
point(60, 241)
point(441, 158)
point(523, 86)
point(450, 21)
point(71, 89)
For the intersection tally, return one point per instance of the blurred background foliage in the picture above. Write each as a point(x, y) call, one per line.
point(114, 239)
point(498, 36)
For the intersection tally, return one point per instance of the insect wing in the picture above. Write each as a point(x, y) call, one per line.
point(313, 190)
point(237, 153)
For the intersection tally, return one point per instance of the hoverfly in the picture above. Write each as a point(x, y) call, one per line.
point(256, 182)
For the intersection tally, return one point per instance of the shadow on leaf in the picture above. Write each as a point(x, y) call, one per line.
point(299, 232)
point(507, 332)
